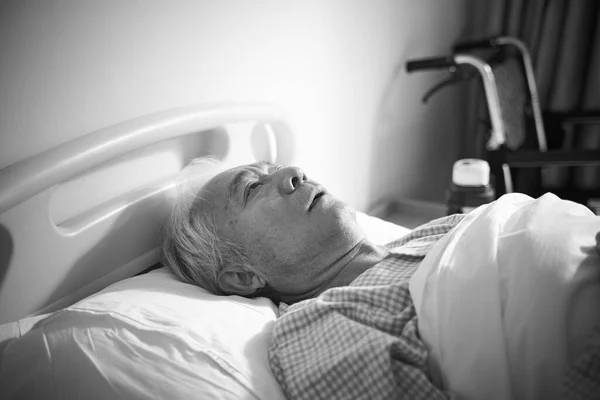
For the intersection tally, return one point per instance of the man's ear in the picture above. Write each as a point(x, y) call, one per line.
point(240, 280)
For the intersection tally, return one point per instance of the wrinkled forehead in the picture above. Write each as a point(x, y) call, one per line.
point(217, 191)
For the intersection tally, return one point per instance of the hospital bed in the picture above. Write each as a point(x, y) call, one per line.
point(87, 311)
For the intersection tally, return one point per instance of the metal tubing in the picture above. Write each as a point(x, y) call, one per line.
point(498, 135)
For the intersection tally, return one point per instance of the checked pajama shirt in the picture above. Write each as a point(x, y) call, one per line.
point(375, 351)
point(361, 341)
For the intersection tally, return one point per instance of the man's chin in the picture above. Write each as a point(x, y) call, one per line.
point(336, 206)
point(343, 215)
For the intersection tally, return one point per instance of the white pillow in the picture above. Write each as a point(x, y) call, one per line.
point(153, 337)
point(508, 298)
point(379, 231)
point(150, 337)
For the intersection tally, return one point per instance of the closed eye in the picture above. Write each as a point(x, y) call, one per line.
point(250, 188)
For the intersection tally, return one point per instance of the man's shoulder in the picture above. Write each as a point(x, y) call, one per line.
point(406, 253)
point(426, 233)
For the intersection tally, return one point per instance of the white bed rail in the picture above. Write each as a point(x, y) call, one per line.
point(31, 176)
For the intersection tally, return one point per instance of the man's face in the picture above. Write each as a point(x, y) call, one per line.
point(291, 228)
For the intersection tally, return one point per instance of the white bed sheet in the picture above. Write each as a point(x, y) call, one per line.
point(150, 337)
point(507, 300)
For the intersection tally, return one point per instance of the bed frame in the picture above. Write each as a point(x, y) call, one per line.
point(87, 213)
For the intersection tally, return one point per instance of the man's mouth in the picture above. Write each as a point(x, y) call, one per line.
point(315, 199)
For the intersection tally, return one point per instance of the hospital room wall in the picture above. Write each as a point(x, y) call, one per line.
point(70, 67)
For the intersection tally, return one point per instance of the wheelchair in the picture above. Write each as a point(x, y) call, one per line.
point(516, 145)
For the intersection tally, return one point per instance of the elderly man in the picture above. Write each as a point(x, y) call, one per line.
point(268, 230)
point(272, 232)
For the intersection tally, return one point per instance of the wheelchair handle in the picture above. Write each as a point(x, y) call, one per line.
point(475, 44)
point(430, 63)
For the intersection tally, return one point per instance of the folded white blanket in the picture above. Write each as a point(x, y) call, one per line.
point(507, 300)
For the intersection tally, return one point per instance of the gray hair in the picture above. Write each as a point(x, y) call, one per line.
point(192, 246)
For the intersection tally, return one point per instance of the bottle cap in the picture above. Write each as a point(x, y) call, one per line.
point(471, 172)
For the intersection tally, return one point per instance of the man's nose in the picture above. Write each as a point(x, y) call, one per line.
point(289, 179)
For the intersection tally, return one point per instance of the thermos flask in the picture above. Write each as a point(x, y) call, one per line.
point(470, 186)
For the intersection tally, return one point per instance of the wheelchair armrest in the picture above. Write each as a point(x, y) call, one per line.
point(572, 118)
point(535, 158)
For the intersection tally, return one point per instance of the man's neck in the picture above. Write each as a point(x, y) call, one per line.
point(352, 264)
point(362, 257)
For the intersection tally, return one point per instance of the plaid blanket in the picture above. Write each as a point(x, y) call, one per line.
point(582, 379)
point(360, 341)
